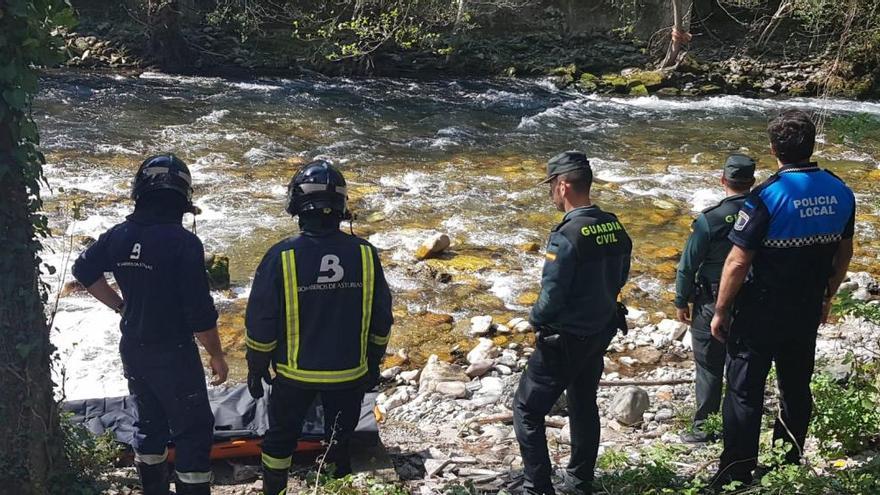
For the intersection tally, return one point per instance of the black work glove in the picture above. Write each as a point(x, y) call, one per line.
point(620, 318)
point(258, 372)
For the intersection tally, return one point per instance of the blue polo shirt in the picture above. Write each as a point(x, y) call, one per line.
point(795, 221)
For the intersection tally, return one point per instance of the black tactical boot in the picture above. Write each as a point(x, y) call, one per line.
point(193, 489)
point(274, 481)
point(154, 478)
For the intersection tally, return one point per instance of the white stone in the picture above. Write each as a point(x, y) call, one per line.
point(452, 389)
point(409, 376)
point(637, 317)
point(479, 368)
point(502, 329)
point(629, 405)
point(520, 325)
point(483, 351)
point(433, 246)
point(436, 372)
point(391, 372)
point(480, 325)
point(504, 370)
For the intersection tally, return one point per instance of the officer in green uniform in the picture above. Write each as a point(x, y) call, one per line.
point(576, 315)
point(699, 273)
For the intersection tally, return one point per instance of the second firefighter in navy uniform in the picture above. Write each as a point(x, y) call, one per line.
point(699, 273)
point(576, 315)
point(319, 313)
point(160, 269)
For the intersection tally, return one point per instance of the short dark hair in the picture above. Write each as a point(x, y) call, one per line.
point(740, 186)
point(793, 136)
point(581, 180)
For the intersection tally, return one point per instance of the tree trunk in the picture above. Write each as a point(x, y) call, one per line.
point(29, 435)
point(681, 12)
point(166, 44)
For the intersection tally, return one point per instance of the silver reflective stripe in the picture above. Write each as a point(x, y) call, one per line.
point(151, 459)
point(156, 170)
point(186, 177)
point(195, 478)
point(310, 188)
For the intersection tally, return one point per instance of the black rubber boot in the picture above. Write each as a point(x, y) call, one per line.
point(154, 478)
point(192, 489)
point(274, 481)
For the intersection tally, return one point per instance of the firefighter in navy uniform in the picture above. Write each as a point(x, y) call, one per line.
point(160, 269)
point(319, 313)
point(576, 316)
point(792, 247)
point(699, 272)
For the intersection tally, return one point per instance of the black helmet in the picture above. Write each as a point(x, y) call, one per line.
point(318, 187)
point(162, 172)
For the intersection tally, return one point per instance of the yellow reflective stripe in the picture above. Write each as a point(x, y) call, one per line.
point(291, 298)
point(276, 463)
point(319, 376)
point(260, 346)
point(369, 273)
point(378, 339)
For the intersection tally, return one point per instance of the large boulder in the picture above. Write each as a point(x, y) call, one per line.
point(433, 246)
point(628, 406)
point(436, 372)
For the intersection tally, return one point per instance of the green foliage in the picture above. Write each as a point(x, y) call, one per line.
point(845, 305)
point(357, 33)
point(846, 418)
point(652, 473)
point(853, 128)
point(713, 425)
point(89, 459)
point(356, 485)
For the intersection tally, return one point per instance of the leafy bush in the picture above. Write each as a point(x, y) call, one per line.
point(845, 305)
point(89, 459)
point(846, 418)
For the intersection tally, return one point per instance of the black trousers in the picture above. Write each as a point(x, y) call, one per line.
point(169, 390)
point(709, 357)
point(573, 365)
point(761, 336)
point(288, 406)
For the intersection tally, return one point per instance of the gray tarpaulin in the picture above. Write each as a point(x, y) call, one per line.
point(236, 415)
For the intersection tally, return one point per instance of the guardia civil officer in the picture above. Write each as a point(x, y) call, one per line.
point(160, 269)
point(576, 315)
point(792, 246)
point(319, 313)
point(699, 273)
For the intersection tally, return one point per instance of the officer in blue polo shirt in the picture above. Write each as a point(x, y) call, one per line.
point(160, 269)
point(793, 241)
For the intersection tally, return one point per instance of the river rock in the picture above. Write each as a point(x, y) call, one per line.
point(436, 372)
point(520, 325)
point(217, 266)
point(628, 406)
point(480, 325)
point(484, 350)
point(410, 376)
point(508, 358)
point(390, 373)
point(637, 317)
point(675, 330)
point(647, 355)
point(433, 246)
point(479, 368)
point(452, 389)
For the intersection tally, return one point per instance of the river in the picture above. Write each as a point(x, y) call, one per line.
point(460, 157)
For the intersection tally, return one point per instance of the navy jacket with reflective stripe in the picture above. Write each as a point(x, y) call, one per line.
point(322, 307)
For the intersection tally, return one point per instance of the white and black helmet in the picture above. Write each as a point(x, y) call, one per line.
point(318, 187)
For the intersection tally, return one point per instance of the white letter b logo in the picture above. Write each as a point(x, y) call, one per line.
point(330, 263)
